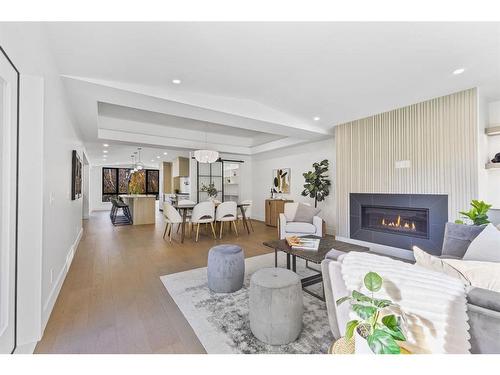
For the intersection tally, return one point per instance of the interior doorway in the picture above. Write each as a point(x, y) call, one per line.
point(9, 127)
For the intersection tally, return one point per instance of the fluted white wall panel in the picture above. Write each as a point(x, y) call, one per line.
point(437, 136)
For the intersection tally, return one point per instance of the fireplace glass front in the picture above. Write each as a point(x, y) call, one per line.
point(396, 220)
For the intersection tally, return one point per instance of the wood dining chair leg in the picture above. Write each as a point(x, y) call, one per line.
point(221, 226)
point(166, 228)
point(171, 230)
point(213, 229)
point(235, 229)
point(251, 225)
point(197, 231)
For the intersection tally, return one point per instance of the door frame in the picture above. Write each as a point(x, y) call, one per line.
point(16, 221)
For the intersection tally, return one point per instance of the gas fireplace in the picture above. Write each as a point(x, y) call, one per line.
point(399, 220)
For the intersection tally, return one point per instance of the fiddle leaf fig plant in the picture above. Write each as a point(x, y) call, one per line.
point(477, 215)
point(380, 331)
point(317, 184)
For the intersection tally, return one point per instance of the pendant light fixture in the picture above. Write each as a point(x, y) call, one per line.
point(206, 156)
point(140, 166)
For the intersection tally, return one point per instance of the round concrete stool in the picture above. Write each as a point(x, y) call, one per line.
point(276, 305)
point(226, 268)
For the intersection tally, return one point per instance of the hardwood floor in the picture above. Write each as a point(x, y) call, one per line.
point(113, 300)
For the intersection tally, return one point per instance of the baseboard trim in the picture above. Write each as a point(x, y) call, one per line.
point(54, 293)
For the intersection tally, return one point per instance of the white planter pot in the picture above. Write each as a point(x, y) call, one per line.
point(360, 344)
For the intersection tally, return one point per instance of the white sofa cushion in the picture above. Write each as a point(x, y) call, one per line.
point(305, 228)
point(486, 246)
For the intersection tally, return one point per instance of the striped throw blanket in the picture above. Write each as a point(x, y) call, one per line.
point(434, 304)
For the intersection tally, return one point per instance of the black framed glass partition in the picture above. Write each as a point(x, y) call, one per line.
point(224, 174)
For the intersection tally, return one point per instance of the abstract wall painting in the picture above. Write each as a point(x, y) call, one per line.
point(76, 176)
point(281, 180)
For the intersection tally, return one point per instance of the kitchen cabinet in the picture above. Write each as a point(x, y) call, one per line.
point(180, 167)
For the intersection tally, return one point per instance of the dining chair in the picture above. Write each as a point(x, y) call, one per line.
point(172, 217)
point(248, 212)
point(203, 213)
point(226, 212)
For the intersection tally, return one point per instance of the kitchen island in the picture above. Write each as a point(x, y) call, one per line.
point(142, 208)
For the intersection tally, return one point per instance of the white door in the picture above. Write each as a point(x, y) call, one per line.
point(8, 201)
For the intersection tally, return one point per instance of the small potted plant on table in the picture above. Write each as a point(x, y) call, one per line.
point(377, 330)
point(210, 190)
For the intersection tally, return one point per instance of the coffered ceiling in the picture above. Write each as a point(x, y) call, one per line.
point(246, 88)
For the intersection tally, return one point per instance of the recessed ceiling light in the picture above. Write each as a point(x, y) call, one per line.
point(152, 160)
point(105, 151)
point(165, 153)
point(316, 118)
point(458, 71)
point(105, 144)
point(157, 156)
point(176, 81)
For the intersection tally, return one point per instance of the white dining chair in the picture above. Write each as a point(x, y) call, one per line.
point(226, 212)
point(248, 213)
point(172, 217)
point(203, 213)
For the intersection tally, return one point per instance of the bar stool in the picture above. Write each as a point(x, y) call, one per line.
point(126, 218)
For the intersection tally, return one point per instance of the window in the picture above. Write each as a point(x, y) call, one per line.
point(116, 181)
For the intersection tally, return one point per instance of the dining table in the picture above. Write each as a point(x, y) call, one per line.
point(184, 208)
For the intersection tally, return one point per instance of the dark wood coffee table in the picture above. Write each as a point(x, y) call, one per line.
point(326, 244)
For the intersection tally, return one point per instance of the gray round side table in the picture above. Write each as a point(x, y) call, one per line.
point(226, 268)
point(276, 305)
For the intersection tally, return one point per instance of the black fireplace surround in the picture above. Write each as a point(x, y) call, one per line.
point(399, 220)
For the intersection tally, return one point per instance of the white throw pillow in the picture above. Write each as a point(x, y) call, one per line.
point(486, 246)
point(484, 275)
point(434, 263)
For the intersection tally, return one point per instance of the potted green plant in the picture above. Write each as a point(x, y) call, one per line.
point(210, 190)
point(477, 215)
point(317, 184)
point(377, 329)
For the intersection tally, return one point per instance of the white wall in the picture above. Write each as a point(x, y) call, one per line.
point(95, 194)
point(299, 159)
point(26, 45)
point(493, 192)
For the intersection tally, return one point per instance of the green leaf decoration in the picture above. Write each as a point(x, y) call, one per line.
point(360, 297)
point(373, 281)
point(391, 325)
point(349, 330)
point(343, 299)
point(381, 342)
point(364, 312)
point(381, 303)
point(478, 214)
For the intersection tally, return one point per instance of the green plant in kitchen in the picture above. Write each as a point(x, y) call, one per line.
point(380, 331)
point(317, 184)
point(477, 215)
point(209, 189)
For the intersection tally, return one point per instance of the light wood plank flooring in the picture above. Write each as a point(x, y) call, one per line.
point(113, 300)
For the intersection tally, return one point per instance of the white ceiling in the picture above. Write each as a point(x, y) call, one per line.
point(257, 86)
point(120, 154)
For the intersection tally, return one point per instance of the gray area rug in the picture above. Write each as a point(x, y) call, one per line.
point(221, 320)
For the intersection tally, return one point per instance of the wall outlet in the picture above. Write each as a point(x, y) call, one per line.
point(51, 275)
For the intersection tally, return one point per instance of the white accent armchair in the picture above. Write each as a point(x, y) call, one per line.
point(288, 227)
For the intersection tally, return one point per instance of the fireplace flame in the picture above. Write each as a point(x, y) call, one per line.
point(398, 223)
